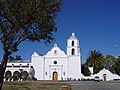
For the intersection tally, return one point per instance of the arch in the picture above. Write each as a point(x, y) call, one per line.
point(73, 51)
point(72, 43)
point(104, 77)
point(24, 75)
point(55, 75)
point(16, 76)
point(8, 74)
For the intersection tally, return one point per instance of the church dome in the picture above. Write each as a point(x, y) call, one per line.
point(73, 36)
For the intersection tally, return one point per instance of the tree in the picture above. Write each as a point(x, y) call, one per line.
point(85, 71)
point(117, 67)
point(95, 60)
point(110, 63)
point(22, 20)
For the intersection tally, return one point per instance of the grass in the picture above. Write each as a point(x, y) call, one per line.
point(33, 85)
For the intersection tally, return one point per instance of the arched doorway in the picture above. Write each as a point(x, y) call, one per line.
point(8, 74)
point(55, 75)
point(104, 77)
point(24, 75)
point(16, 76)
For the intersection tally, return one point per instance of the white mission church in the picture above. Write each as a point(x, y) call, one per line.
point(55, 65)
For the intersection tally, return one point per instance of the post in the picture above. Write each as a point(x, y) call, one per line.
point(64, 88)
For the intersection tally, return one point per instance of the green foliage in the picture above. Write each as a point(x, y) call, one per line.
point(85, 71)
point(110, 63)
point(98, 61)
point(95, 60)
point(27, 20)
point(117, 67)
point(11, 58)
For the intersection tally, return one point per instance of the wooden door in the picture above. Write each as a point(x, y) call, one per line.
point(55, 76)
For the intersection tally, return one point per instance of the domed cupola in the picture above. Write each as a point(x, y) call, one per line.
point(73, 36)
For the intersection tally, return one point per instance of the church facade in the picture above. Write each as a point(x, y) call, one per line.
point(58, 65)
point(55, 65)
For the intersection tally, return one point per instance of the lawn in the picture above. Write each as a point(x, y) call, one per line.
point(33, 85)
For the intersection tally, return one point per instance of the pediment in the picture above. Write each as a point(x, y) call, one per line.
point(55, 51)
point(35, 54)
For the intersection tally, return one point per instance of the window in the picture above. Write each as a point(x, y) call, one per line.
point(55, 62)
point(46, 73)
point(64, 73)
point(73, 52)
point(72, 43)
point(55, 52)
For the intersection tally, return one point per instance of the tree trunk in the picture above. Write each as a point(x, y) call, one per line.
point(2, 68)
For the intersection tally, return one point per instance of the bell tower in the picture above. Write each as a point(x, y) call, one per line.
point(73, 52)
point(73, 47)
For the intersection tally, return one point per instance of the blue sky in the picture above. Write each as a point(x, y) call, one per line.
point(95, 22)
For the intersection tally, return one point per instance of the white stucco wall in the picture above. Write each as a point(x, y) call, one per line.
point(61, 67)
point(18, 67)
point(74, 67)
point(38, 63)
point(66, 66)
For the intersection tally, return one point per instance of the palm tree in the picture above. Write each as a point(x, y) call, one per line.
point(95, 60)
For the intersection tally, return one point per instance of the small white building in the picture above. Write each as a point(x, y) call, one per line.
point(104, 75)
point(18, 70)
point(55, 65)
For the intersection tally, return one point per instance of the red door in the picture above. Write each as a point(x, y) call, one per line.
point(104, 76)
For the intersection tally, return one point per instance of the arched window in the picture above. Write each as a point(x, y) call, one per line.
point(72, 43)
point(73, 52)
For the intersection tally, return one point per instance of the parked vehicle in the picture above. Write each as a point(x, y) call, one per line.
point(96, 78)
